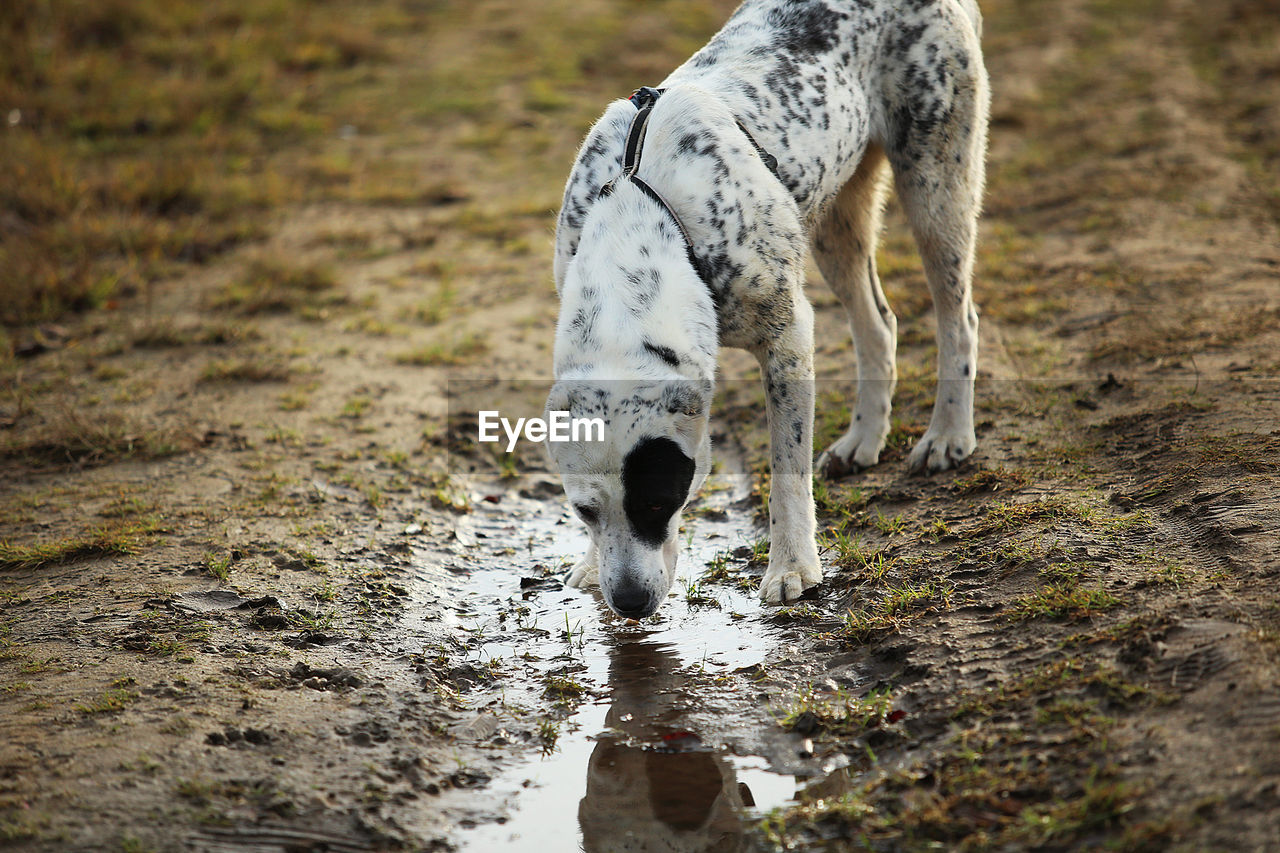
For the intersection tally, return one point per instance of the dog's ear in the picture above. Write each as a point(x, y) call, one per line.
point(580, 398)
point(690, 403)
point(690, 398)
point(557, 399)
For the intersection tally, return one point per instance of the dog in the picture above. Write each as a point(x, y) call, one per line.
point(683, 229)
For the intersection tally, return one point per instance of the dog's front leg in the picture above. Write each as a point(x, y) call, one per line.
point(587, 571)
point(788, 379)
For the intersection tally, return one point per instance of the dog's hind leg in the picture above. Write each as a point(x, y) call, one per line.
point(844, 246)
point(939, 144)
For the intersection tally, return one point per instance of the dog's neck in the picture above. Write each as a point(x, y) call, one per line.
point(633, 306)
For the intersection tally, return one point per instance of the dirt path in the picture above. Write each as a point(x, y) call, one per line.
point(256, 593)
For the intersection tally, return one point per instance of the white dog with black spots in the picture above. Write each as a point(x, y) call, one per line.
point(683, 230)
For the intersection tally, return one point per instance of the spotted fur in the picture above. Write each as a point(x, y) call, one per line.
point(841, 92)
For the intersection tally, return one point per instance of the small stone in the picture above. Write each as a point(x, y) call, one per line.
point(257, 736)
point(806, 723)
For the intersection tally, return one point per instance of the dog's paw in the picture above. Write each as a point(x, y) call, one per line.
point(586, 573)
point(857, 449)
point(781, 585)
point(940, 450)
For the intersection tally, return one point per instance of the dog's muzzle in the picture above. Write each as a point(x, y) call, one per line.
point(632, 600)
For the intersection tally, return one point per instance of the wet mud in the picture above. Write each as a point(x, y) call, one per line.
point(634, 734)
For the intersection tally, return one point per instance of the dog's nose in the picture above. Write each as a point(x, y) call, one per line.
point(634, 602)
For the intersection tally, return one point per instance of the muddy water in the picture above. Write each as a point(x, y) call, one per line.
point(617, 734)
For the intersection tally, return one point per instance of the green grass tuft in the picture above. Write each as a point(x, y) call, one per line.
point(441, 354)
point(104, 541)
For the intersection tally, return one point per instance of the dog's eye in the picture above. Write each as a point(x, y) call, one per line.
point(586, 513)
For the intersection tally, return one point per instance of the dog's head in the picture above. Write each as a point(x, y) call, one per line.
point(630, 486)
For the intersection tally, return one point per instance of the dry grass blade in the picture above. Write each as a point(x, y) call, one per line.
point(73, 437)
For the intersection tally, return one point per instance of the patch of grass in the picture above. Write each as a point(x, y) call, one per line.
point(111, 701)
point(446, 493)
point(325, 592)
point(851, 556)
point(165, 647)
point(246, 370)
point(445, 353)
point(1009, 516)
point(1065, 573)
point(176, 726)
point(563, 688)
point(1088, 509)
point(887, 608)
point(759, 552)
point(103, 541)
point(284, 437)
point(292, 401)
point(128, 506)
point(355, 408)
point(1062, 600)
point(204, 791)
point(694, 596)
point(719, 572)
point(838, 713)
point(132, 844)
point(902, 436)
point(991, 480)
point(837, 501)
point(35, 667)
point(888, 526)
point(935, 530)
point(548, 735)
point(109, 373)
point(1163, 569)
point(163, 334)
point(70, 436)
point(218, 565)
point(1055, 681)
point(432, 311)
point(321, 621)
point(138, 133)
point(275, 287)
point(1025, 765)
point(23, 827)
point(375, 327)
point(803, 613)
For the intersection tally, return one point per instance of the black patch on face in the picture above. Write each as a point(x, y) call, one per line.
point(656, 476)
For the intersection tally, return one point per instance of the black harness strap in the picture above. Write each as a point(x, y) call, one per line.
point(644, 100)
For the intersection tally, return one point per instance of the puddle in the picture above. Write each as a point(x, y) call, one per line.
point(643, 761)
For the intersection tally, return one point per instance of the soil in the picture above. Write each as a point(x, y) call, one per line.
point(260, 591)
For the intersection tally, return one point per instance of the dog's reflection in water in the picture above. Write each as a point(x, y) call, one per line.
point(650, 785)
